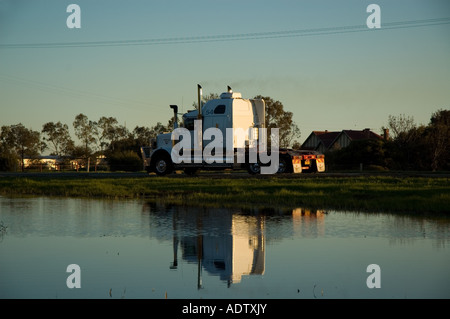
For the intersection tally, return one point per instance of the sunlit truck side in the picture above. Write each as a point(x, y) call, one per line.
point(225, 133)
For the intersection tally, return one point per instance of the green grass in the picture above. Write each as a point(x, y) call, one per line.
point(364, 193)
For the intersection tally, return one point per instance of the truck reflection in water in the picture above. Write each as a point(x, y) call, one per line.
point(224, 242)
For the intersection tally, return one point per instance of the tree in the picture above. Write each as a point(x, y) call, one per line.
point(86, 131)
point(401, 124)
point(420, 147)
point(277, 117)
point(405, 136)
point(159, 128)
point(22, 141)
point(142, 135)
point(111, 132)
point(8, 158)
point(58, 135)
point(438, 138)
point(108, 130)
point(125, 161)
point(206, 98)
point(296, 145)
point(369, 152)
point(8, 161)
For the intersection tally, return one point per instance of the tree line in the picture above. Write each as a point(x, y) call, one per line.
point(410, 146)
point(108, 139)
point(105, 137)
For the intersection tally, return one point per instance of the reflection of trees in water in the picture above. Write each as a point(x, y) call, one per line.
point(77, 217)
point(231, 243)
point(406, 229)
point(3, 229)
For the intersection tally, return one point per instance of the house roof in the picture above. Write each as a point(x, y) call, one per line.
point(44, 157)
point(326, 137)
point(365, 134)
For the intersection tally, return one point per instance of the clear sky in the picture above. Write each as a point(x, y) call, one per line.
point(318, 58)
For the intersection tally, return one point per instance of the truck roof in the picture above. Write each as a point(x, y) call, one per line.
point(231, 95)
point(223, 96)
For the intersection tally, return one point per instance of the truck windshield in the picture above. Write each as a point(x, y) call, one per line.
point(189, 123)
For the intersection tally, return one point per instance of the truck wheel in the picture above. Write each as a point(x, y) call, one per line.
point(284, 166)
point(254, 168)
point(163, 165)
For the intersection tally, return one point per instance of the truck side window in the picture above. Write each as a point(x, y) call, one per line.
point(189, 123)
point(220, 109)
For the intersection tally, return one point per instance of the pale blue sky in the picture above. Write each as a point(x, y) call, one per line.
point(348, 80)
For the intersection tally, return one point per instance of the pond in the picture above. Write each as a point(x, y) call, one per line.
point(135, 249)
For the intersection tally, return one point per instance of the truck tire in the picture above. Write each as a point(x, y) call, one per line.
point(254, 168)
point(163, 165)
point(285, 165)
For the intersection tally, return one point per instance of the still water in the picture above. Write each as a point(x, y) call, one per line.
point(135, 249)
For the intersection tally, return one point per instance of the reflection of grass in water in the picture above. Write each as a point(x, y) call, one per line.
point(375, 193)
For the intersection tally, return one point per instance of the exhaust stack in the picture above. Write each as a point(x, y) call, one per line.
point(199, 93)
point(175, 117)
point(198, 138)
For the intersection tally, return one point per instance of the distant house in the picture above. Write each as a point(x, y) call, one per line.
point(323, 141)
point(319, 141)
point(82, 163)
point(49, 162)
point(347, 136)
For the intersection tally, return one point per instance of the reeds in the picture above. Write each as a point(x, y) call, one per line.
point(363, 193)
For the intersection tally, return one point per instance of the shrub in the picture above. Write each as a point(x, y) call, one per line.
point(128, 161)
point(8, 163)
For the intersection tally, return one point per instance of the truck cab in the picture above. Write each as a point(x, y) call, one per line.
point(236, 125)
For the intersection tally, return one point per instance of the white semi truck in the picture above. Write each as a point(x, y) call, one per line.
point(225, 133)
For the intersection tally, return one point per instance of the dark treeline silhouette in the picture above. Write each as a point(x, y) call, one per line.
point(104, 143)
point(107, 145)
point(410, 147)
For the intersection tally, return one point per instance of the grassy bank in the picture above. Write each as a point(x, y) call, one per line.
point(364, 193)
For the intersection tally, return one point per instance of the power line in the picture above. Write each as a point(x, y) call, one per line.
point(234, 37)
